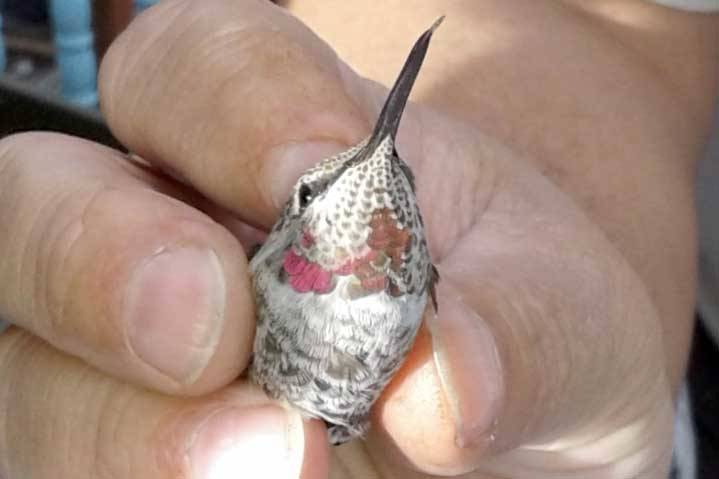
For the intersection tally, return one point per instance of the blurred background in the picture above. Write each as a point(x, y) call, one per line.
point(49, 52)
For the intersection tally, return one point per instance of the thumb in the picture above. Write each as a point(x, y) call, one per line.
point(233, 97)
point(545, 357)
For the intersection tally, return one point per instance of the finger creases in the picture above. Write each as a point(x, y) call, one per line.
point(497, 386)
point(544, 357)
point(104, 266)
point(62, 418)
point(207, 90)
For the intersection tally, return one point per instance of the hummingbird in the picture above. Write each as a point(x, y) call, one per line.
point(343, 279)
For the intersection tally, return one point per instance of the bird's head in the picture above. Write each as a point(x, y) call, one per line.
point(354, 215)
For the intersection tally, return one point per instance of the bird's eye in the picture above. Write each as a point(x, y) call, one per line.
point(304, 196)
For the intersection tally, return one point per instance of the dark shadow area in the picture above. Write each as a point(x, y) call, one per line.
point(21, 109)
point(705, 401)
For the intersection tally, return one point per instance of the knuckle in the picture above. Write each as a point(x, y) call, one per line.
point(41, 260)
point(63, 228)
point(52, 258)
point(74, 279)
point(18, 216)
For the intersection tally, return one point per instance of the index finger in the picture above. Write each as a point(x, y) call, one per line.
point(220, 94)
point(103, 263)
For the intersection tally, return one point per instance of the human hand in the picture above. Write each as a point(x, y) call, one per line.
point(546, 358)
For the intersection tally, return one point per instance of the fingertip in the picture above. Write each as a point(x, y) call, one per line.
point(259, 441)
point(316, 459)
point(175, 309)
point(75, 421)
point(256, 442)
point(187, 306)
point(468, 365)
point(277, 84)
point(222, 331)
point(164, 300)
point(415, 423)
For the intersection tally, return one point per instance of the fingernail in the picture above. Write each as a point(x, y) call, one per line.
point(175, 308)
point(285, 163)
point(467, 359)
point(264, 441)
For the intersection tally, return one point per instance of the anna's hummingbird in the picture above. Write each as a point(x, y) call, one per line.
point(342, 281)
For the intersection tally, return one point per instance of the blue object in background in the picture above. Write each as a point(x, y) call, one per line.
point(140, 5)
point(71, 20)
point(3, 59)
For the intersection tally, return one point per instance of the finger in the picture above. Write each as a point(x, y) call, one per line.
point(102, 265)
point(235, 97)
point(545, 355)
point(291, 91)
point(61, 418)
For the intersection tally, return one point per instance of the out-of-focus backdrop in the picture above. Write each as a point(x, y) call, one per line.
point(49, 52)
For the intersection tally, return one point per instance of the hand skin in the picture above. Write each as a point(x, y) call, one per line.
point(567, 261)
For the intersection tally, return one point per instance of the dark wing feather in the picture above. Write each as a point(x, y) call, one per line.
point(432, 282)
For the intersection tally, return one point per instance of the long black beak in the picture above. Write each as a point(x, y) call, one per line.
point(389, 117)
